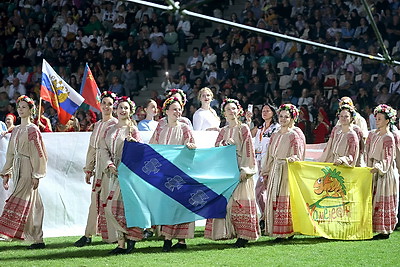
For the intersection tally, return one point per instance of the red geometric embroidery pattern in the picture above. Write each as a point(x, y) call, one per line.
point(244, 219)
point(13, 219)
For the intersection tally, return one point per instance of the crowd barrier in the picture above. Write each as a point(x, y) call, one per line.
point(66, 196)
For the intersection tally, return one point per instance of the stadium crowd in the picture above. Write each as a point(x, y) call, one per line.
point(125, 44)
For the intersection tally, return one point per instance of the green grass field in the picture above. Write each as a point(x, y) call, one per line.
point(301, 251)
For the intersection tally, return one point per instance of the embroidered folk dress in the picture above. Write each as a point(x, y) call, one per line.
point(241, 218)
point(163, 122)
point(361, 144)
point(261, 142)
point(381, 153)
point(96, 216)
point(180, 134)
point(111, 147)
point(343, 146)
point(26, 158)
point(278, 217)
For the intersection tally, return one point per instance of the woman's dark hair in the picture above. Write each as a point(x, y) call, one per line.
point(274, 117)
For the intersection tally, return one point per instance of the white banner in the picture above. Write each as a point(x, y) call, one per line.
point(66, 196)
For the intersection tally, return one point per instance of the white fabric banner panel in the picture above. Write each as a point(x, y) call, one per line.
point(65, 194)
point(4, 194)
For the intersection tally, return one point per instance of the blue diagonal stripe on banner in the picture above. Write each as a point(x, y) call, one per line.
point(156, 170)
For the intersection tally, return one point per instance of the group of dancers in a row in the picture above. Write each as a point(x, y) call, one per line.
point(277, 142)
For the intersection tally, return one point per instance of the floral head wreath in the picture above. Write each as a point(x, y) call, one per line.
point(121, 99)
point(169, 101)
point(346, 101)
point(30, 102)
point(388, 110)
point(178, 91)
point(108, 94)
point(233, 101)
point(291, 108)
point(350, 108)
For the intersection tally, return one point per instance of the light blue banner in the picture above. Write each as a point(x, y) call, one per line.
point(170, 184)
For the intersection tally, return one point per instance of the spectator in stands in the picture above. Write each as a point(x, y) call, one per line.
point(116, 86)
point(209, 58)
point(304, 123)
point(183, 29)
point(193, 59)
point(16, 87)
point(171, 39)
point(158, 53)
point(322, 129)
point(197, 72)
point(299, 84)
point(306, 100)
point(347, 86)
point(69, 30)
point(383, 96)
point(130, 81)
point(119, 29)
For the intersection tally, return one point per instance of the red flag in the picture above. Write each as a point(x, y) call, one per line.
point(89, 89)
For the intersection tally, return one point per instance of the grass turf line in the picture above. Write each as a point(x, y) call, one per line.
point(301, 251)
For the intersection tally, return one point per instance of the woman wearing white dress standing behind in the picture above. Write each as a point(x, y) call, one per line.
point(206, 118)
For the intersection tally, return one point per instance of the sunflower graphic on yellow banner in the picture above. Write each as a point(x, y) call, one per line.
point(331, 201)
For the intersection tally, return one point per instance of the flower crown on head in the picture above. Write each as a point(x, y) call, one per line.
point(108, 94)
point(169, 101)
point(233, 101)
point(350, 108)
point(292, 109)
point(121, 99)
point(27, 99)
point(346, 101)
point(178, 91)
point(388, 110)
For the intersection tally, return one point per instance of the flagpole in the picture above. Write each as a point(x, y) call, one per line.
point(40, 107)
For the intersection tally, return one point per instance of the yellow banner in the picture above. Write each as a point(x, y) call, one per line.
point(331, 201)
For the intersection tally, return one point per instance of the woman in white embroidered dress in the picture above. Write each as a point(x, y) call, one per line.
point(261, 142)
point(111, 147)
point(91, 169)
point(26, 163)
point(343, 144)
point(205, 118)
point(241, 217)
point(285, 145)
point(381, 153)
point(174, 132)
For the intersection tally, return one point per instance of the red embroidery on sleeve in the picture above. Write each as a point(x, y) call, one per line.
point(388, 148)
point(34, 135)
point(352, 143)
point(294, 142)
point(220, 137)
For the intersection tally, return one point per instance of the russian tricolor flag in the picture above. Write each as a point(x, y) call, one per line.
point(63, 98)
point(89, 89)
